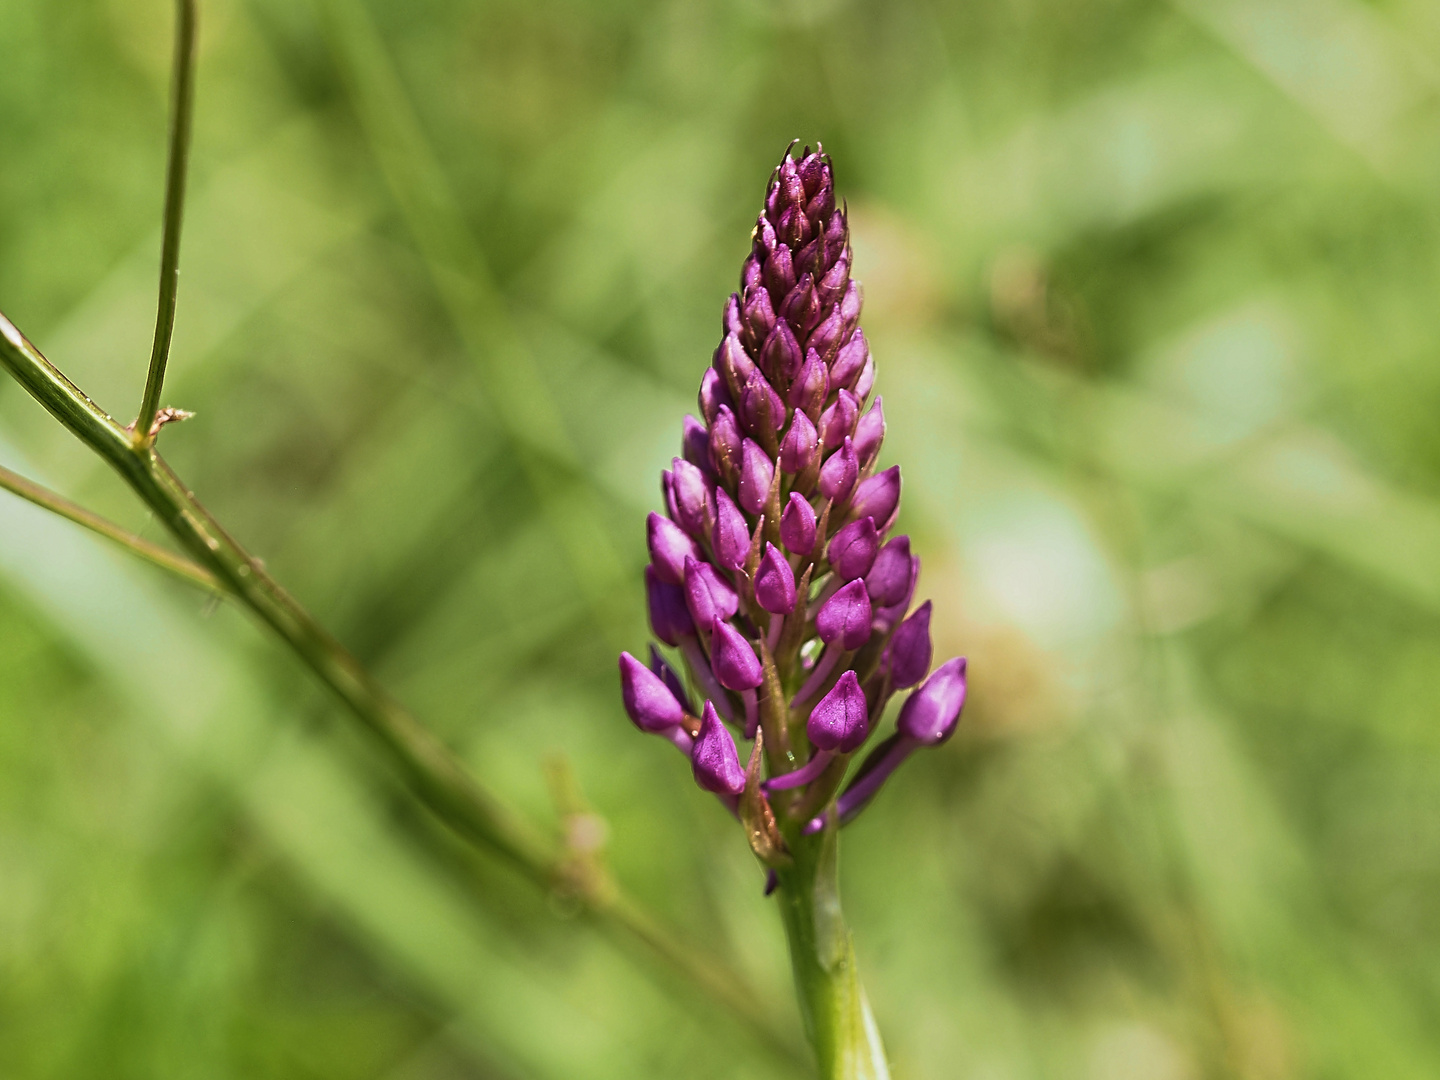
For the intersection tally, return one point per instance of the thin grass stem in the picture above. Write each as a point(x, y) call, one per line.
point(182, 110)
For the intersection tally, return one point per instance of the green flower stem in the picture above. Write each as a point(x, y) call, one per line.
point(432, 772)
point(182, 111)
point(837, 1016)
point(154, 554)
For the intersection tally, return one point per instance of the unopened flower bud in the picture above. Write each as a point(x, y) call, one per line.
point(725, 444)
point(713, 759)
point(669, 547)
point(713, 394)
point(669, 617)
point(801, 444)
point(801, 308)
point(780, 357)
point(825, 338)
point(930, 714)
point(730, 321)
point(758, 316)
point(756, 473)
point(779, 274)
point(869, 433)
point(811, 386)
point(910, 649)
point(693, 497)
point(837, 475)
point(648, 701)
point(850, 361)
point(844, 619)
point(734, 363)
point(731, 539)
point(797, 525)
point(840, 721)
point(878, 497)
point(761, 410)
point(707, 595)
point(695, 446)
point(853, 549)
point(775, 583)
point(866, 381)
point(733, 661)
point(838, 421)
point(888, 580)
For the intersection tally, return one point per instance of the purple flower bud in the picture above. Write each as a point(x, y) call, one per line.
point(750, 276)
point(930, 714)
point(725, 443)
point(838, 421)
point(733, 661)
point(670, 678)
point(851, 304)
point(888, 580)
point(731, 539)
point(797, 452)
point(852, 551)
point(850, 361)
point(695, 445)
point(840, 720)
point(756, 473)
point(713, 759)
point(780, 358)
point(713, 394)
point(845, 617)
point(837, 475)
point(779, 274)
point(669, 617)
point(648, 700)
point(669, 547)
point(910, 649)
point(797, 525)
point(825, 338)
point(758, 316)
point(761, 410)
point(734, 363)
point(707, 595)
point(811, 386)
point(775, 583)
point(835, 280)
point(801, 308)
point(814, 172)
point(887, 616)
point(793, 228)
point(869, 433)
point(693, 499)
point(866, 381)
point(730, 321)
point(878, 498)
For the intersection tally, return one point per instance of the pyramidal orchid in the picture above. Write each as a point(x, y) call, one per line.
point(773, 574)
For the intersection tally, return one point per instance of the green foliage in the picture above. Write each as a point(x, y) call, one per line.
point(1151, 287)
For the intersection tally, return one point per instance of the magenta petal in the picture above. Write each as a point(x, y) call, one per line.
point(732, 659)
point(713, 759)
point(844, 619)
point(852, 551)
point(840, 720)
point(797, 525)
point(648, 701)
point(775, 583)
point(911, 650)
point(930, 714)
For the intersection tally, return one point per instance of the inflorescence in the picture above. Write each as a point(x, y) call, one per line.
point(771, 573)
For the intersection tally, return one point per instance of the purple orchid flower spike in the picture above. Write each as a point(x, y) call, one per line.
point(773, 572)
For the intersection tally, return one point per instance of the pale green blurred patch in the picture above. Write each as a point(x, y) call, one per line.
point(1152, 290)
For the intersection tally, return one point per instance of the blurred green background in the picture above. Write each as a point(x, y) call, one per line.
point(1153, 291)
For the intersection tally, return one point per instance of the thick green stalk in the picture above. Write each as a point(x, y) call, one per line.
point(837, 1016)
